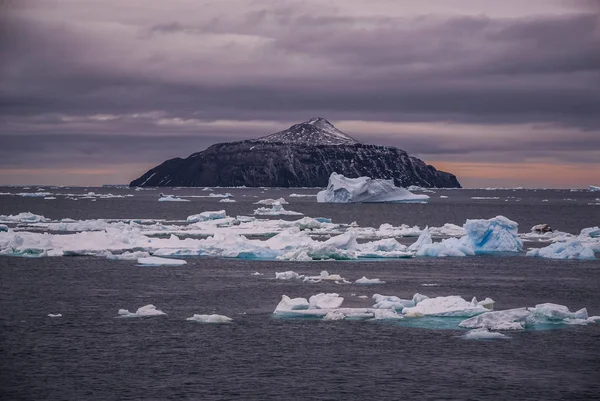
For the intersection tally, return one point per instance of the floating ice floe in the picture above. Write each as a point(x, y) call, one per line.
point(257, 274)
point(54, 315)
point(204, 216)
point(573, 249)
point(302, 195)
point(225, 195)
point(369, 281)
point(271, 202)
point(365, 189)
point(171, 198)
point(227, 200)
point(34, 194)
point(156, 261)
point(485, 197)
point(25, 217)
point(275, 210)
point(453, 305)
point(325, 276)
point(49, 197)
point(207, 189)
point(210, 319)
point(144, 311)
point(288, 275)
point(523, 318)
point(484, 334)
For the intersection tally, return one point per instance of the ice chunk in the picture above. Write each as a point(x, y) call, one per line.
point(156, 261)
point(325, 301)
point(171, 198)
point(590, 232)
point(210, 319)
point(288, 303)
point(452, 305)
point(271, 202)
point(227, 200)
point(369, 281)
point(365, 189)
point(555, 312)
point(225, 195)
point(484, 334)
point(498, 234)
point(275, 210)
point(511, 319)
point(256, 274)
point(204, 216)
point(571, 249)
point(288, 275)
point(325, 276)
point(147, 310)
point(393, 302)
point(54, 315)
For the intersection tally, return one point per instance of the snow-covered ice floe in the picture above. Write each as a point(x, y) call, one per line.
point(156, 261)
point(209, 319)
point(365, 189)
point(144, 311)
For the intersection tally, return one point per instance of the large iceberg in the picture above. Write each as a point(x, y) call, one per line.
point(365, 189)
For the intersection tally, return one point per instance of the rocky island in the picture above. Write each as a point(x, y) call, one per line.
point(303, 155)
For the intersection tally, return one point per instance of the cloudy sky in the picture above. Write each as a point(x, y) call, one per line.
point(501, 93)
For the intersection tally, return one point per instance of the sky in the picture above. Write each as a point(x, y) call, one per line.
point(500, 93)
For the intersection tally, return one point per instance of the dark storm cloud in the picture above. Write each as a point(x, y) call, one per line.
point(88, 69)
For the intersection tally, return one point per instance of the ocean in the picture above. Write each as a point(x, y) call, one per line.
point(91, 354)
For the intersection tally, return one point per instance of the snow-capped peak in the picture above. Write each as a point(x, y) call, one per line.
point(316, 131)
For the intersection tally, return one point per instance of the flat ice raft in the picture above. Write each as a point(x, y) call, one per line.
point(341, 189)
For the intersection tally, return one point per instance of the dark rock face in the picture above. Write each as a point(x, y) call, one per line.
point(303, 156)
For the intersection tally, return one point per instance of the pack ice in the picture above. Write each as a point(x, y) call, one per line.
point(341, 189)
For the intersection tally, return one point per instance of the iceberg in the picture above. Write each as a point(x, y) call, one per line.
point(365, 189)
point(594, 188)
point(210, 319)
point(275, 210)
point(369, 281)
point(144, 311)
point(205, 216)
point(156, 261)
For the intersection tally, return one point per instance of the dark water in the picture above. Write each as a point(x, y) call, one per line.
point(88, 354)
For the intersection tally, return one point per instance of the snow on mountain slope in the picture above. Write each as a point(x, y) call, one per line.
point(316, 131)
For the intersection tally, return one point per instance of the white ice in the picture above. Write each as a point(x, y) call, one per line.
point(54, 315)
point(484, 334)
point(270, 202)
point(204, 216)
point(572, 249)
point(25, 217)
point(453, 305)
point(210, 319)
point(365, 189)
point(156, 261)
point(171, 198)
point(369, 281)
point(128, 255)
point(227, 200)
point(144, 311)
point(325, 276)
point(288, 275)
point(275, 210)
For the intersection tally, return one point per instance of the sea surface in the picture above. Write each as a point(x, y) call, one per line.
point(89, 354)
